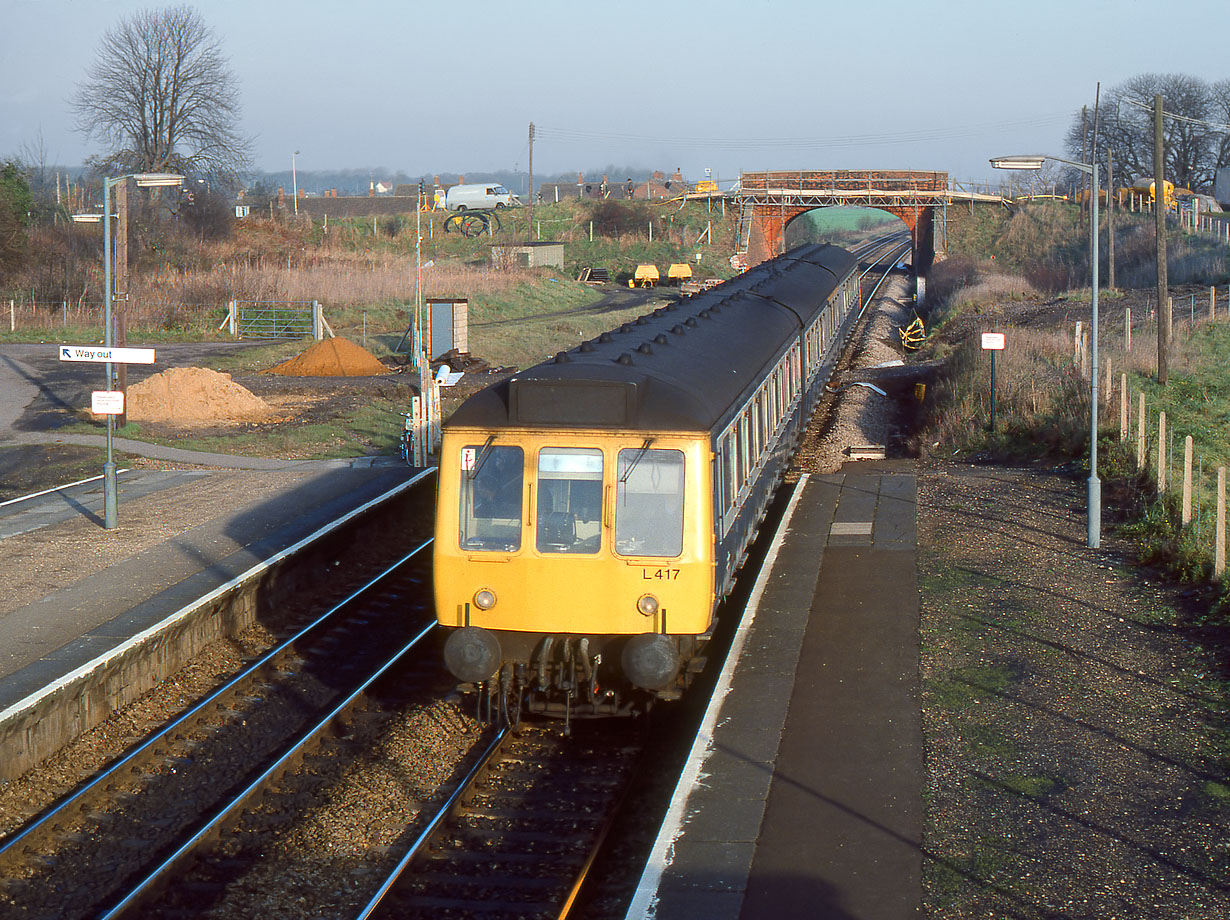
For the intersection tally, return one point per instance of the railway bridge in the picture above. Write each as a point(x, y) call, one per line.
point(769, 201)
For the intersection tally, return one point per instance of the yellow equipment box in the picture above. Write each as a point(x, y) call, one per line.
point(646, 275)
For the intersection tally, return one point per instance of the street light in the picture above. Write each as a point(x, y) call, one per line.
point(294, 181)
point(1095, 484)
point(144, 180)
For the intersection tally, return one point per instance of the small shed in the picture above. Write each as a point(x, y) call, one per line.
point(528, 255)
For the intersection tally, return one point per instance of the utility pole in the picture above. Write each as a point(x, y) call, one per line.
point(121, 292)
point(1159, 214)
point(529, 231)
point(1085, 158)
point(1110, 214)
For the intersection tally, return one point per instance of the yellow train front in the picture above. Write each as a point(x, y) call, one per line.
point(594, 509)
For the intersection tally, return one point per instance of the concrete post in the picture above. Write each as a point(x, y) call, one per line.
point(1219, 541)
point(1140, 434)
point(1161, 453)
point(1187, 480)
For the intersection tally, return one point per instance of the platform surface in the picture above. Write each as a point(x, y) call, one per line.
point(803, 795)
point(72, 590)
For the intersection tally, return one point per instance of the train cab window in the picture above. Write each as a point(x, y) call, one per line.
point(649, 503)
point(569, 509)
point(491, 488)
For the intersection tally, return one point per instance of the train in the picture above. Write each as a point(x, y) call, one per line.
point(594, 510)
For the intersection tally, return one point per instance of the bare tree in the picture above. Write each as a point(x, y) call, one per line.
point(1192, 151)
point(161, 94)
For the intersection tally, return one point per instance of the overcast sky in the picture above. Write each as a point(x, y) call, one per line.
point(728, 86)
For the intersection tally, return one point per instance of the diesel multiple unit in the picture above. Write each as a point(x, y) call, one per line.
point(593, 510)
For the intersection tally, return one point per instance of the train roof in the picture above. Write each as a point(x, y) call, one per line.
point(684, 367)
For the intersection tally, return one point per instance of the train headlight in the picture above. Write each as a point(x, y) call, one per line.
point(647, 604)
point(484, 599)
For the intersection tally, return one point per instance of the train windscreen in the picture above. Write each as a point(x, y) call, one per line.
point(649, 503)
point(491, 489)
point(569, 506)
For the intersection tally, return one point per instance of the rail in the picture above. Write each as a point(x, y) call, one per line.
point(136, 894)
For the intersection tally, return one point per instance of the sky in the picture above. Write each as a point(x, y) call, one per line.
point(422, 88)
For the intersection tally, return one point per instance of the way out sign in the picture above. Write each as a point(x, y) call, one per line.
point(992, 342)
point(106, 355)
point(107, 402)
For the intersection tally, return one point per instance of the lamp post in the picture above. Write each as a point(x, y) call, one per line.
point(1095, 484)
point(144, 180)
point(294, 181)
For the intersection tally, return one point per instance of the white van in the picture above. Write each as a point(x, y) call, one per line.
point(479, 197)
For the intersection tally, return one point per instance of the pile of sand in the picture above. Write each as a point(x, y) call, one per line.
point(332, 358)
point(189, 395)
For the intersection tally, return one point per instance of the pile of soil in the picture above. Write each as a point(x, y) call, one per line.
point(332, 358)
point(187, 395)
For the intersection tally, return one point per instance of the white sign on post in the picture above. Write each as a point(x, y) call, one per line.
point(101, 355)
point(993, 341)
point(107, 402)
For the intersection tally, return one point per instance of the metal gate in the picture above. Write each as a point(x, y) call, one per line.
point(276, 319)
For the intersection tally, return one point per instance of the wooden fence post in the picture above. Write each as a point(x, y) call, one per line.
point(1219, 541)
point(1187, 480)
point(1076, 345)
point(1140, 435)
point(1124, 433)
point(1161, 453)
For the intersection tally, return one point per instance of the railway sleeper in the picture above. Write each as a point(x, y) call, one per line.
point(489, 880)
point(469, 908)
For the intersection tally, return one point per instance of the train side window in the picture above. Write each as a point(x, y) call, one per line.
point(649, 503)
point(730, 455)
point(745, 466)
point(569, 506)
point(491, 489)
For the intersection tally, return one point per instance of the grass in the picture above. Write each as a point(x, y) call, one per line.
point(374, 428)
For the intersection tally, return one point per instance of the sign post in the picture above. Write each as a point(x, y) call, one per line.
point(993, 342)
point(109, 402)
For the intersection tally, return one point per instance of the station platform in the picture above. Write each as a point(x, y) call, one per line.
point(802, 793)
point(74, 591)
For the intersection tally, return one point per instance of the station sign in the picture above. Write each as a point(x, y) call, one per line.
point(993, 341)
point(101, 355)
point(107, 402)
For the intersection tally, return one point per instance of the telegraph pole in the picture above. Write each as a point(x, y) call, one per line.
point(529, 235)
point(1159, 214)
point(1110, 213)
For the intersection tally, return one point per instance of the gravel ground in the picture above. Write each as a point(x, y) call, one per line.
point(1076, 737)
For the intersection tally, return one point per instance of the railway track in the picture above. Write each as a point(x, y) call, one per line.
point(94, 847)
point(519, 834)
